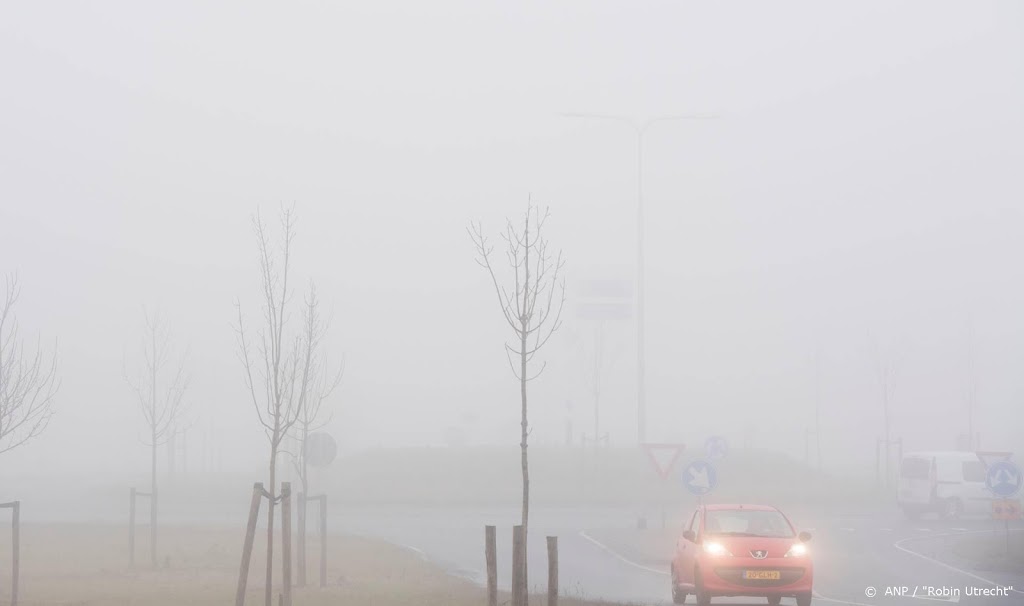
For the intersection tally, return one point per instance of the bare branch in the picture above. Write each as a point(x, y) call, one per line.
point(28, 381)
point(528, 302)
point(160, 398)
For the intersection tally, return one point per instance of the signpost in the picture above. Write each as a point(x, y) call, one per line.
point(700, 477)
point(1003, 479)
point(716, 447)
point(320, 450)
point(663, 457)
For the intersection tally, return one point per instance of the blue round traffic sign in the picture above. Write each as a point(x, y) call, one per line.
point(716, 447)
point(1003, 479)
point(700, 477)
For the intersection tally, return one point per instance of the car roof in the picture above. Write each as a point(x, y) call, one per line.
point(719, 507)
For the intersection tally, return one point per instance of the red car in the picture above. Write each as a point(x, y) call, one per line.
point(741, 550)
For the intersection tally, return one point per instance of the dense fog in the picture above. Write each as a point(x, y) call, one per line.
point(852, 203)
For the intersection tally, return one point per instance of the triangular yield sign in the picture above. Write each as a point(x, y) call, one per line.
point(663, 457)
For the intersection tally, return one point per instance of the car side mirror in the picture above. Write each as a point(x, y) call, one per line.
point(689, 535)
point(804, 536)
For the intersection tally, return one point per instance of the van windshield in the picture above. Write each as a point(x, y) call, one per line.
point(915, 468)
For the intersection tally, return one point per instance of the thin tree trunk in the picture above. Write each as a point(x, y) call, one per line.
point(523, 358)
point(152, 503)
point(153, 427)
point(303, 511)
point(269, 586)
point(526, 480)
point(286, 543)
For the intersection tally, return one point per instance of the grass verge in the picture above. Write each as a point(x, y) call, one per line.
point(87, 565)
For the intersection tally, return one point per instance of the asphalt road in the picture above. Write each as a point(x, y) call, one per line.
point(852, 551)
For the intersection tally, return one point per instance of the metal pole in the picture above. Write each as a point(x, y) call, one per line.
point(301, 543)
point(641, 370)
point(323, 540)
point(878, 462)
point(817, 407)
point(640, 130)
point(807, 446)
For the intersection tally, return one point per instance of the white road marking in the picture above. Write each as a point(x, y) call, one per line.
point(886, 529)
point(621, 557)
point(959, 529)
point(923, 529)
point(414, 549)
point(847, 529)
point(899, 546)
point(818, 596)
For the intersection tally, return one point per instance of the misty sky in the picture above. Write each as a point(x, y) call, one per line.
point(861, 184)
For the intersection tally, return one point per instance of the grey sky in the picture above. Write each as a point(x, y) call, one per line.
point(863, 179)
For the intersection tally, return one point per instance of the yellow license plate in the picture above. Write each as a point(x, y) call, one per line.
point(761, 575)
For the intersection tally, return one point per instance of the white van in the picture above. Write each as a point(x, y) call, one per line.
point(948, 483)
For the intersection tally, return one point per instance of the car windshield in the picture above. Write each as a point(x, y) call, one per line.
point(746, 523)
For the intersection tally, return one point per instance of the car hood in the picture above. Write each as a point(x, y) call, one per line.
point(743, 546)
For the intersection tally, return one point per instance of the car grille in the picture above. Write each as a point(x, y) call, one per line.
point(735, 576)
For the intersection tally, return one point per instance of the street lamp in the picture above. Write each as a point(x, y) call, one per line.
point(640, 128)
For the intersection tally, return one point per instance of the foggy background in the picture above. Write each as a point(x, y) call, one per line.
point(862, 182)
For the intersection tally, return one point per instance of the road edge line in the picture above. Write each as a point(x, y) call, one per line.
point(619, 556)
point(897, 545)
point(818, 596)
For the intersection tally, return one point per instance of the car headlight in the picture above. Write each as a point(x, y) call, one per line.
point(715, 549)
point(797, 550)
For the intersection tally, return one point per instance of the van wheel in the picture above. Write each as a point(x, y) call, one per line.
point(952, 509)
point(803, 599)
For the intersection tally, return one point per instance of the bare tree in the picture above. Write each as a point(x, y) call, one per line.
point(160, 398)
point(28, 381)
point(316, 385)
point(532, 311)
point(273, 373)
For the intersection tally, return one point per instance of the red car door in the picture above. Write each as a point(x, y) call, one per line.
point(686, 552)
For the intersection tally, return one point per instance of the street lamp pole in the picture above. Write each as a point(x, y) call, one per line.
point(640, 129)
